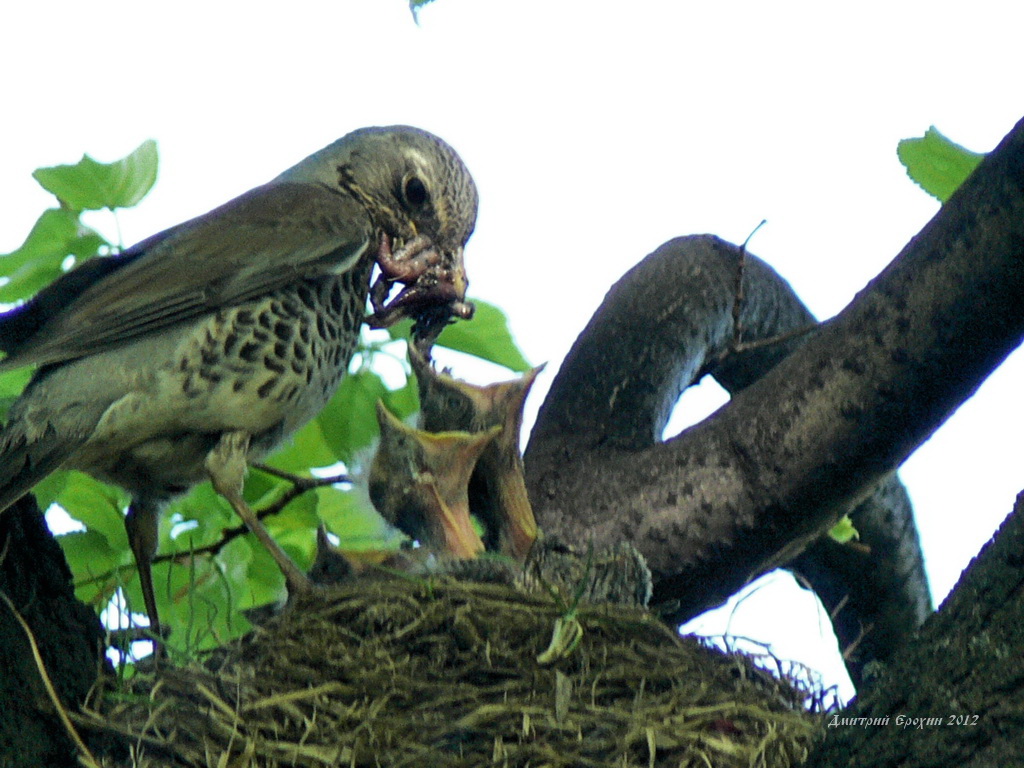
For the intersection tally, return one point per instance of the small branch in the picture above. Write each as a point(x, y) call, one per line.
point(301, 481)
point(737, 304)
point(299, 486)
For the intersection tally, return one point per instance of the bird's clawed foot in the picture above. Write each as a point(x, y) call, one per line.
point(227, 464)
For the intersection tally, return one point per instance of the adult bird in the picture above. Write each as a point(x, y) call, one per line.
point(200, 349)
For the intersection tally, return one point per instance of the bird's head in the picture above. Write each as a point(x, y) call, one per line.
point(423, 203)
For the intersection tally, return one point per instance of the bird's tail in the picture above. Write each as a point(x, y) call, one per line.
point(24, 462)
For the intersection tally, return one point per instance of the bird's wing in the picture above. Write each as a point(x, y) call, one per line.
point(268, 237)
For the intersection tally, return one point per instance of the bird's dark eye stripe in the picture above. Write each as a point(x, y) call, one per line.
point(415, 192)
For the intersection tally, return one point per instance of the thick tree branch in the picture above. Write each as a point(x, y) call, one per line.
point(960, 684)
point(750, 487)
point(875, 590)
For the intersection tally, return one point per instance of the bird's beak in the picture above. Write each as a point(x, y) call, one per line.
point(434, 283)
point(457, 270)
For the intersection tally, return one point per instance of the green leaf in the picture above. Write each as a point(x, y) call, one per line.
point(263, 579)
point(351, 517)
point(844, 531)
point(203, 506)
point(300, 515)
point(307, 448)
point(56, 235)
point(200, 600)
point(50, 488)
point(13, 382)
point(11, 385)
point(46, 241)
point(89, 185)
point(349, 422)
point(404, 401)
point(415, 6)
point(937, 164)
point(486, 336)
point(90, 557)
point(95, 505)
point(262, 488)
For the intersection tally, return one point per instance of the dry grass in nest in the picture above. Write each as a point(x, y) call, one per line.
point(392, 672)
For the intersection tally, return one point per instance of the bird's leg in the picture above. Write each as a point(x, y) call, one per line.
point(226, 464)
point(143, 525)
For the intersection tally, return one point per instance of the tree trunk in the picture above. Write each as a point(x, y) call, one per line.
point(955, 695)
point(34, 577)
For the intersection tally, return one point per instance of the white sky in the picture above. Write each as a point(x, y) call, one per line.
point(595, 131)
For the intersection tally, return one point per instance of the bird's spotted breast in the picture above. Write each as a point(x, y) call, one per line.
point(287, 351)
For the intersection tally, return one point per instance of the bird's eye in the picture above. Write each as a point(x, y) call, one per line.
point(415, 192)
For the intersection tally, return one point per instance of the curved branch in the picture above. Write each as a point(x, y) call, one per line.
point(749, 488)
point(875, 590)
point(299, 486)
point(651, 339)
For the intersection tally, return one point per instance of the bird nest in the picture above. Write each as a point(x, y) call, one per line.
point(439, 672)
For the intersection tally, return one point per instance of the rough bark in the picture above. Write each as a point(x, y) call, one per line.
point(954, 696)
point(876, 589)
point(752, 486)
point(34, 576)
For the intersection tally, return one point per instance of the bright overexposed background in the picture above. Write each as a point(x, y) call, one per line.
point(595, 132)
